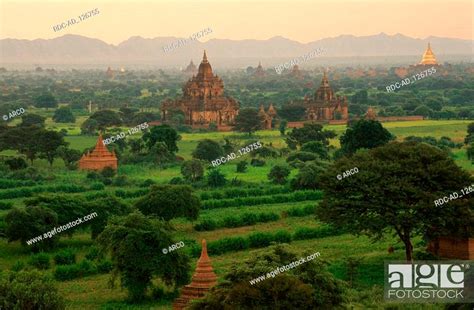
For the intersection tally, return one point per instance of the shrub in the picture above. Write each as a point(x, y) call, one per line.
point(215, 178)
point(120, 180)
point(241, 166)
point(18, 265)
point(304, 233)
point(206, 225)
point(93, 175)
point(66, 272)
point(231, 221)
point(248, 219)
point(5, 205)
point(40, 261)
point(93, 253)
point(177, 181)
point(29, 290)
point(16, 163)
point(65, 257)
point(97, 186)
point(260, 240)
point(105, 266)
point(282, 236)
point(257, 162)
point(147, 183)
point(108, 172)
point(279, 173)
point(228, 244)
point(268, 217)
point(304, 211)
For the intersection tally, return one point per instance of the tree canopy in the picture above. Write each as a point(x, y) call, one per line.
point(364, 134)
point(394, 191)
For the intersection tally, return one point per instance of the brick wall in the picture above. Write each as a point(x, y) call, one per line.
point(449, 247)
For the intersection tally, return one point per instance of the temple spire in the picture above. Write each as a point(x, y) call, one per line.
point(428, 57)
point(204, 57)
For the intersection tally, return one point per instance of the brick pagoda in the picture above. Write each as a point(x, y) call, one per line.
point(325, 105)
point(99, 158)
point(429, 58)
point(203, 101)
point(203, 279)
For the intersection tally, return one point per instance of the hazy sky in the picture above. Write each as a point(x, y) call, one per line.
point(300, 20)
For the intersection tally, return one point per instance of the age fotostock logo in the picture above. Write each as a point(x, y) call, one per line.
point(430, 281)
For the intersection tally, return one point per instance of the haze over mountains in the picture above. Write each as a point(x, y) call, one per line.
point(75, 49)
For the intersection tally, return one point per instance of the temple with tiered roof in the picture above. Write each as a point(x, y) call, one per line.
point(267, 116)
point(99, 158)
point(324, 105)
point(203, 280)
point(191, 68)
point(203, 101)
point(259, 72)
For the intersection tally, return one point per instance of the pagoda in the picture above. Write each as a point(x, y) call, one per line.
point(203, 280)
point(370, 115)
point(110, 73)
point(259, 72)
point(191, 68)
point(267, 116)
point(324, 105)
point(429, 58)
point(99, 158)
point(295, 72)
point(203, 101)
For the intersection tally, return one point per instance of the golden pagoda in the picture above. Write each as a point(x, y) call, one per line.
point(203, 280)
point(99, 158)
point(428, 57)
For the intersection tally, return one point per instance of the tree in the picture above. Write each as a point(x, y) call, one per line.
point(360, 97)
point(27, 223)
point(64, 115)
point(364, 134)
point(308, 176)
point(135, 243)
point(208, 150)
point(69, 156)
point(28, 120)
point(309, 132)
point(470, 134)
point(46, 100)
point(89, 127)
point(282, 127)
point(292, 112)
point(316, 147)
point(106, 118)
point(49, 142)
point(105, 207)
point(161, 154)
point(308, 286)
point(248, 120)
point(170, 201)
point(27, 144)
point(395, 190)
point(423, 110)
point(192, 170)
point(241, 166)
point(215, 178)
point(162, 133)
point(29, 290)
point(279, 173)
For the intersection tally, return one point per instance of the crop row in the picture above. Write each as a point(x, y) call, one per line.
point(252, 201)
point(9, 184)
point(247, 219)
point(264, 239)
point(242, 192)
point(29, 191)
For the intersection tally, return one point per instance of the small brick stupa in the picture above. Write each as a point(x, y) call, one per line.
point(99, 158)
point(203, 279)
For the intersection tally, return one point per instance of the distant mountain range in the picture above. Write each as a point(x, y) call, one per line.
point(77, 50)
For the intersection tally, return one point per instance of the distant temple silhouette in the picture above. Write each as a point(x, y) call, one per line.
point(203, 280)
point(99, 158)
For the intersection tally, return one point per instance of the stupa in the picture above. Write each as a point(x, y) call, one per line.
point(259, 72)
point(203, 280)
point(191, 68)
point(99, 158)
point(429, 58)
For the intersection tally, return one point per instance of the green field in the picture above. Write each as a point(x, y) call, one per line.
point(92, 292)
